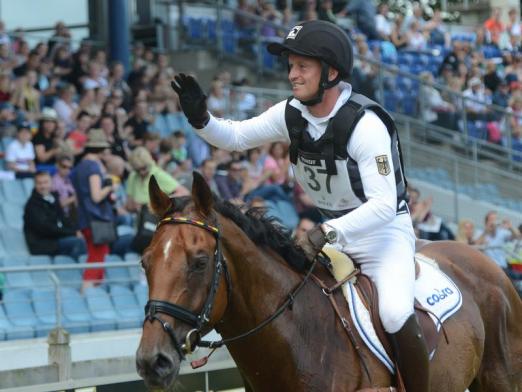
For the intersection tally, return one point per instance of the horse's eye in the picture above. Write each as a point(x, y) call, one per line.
point(199, 263)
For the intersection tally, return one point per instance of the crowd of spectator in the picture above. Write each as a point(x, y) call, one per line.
point(92, 133)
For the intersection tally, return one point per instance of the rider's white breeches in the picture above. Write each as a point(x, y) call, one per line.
point(387, 257)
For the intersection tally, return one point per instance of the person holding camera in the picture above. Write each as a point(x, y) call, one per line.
point(94, 191)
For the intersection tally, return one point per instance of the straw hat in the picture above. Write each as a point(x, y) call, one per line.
point(96, 138)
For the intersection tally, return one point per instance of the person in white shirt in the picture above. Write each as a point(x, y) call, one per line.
point(356, 182)
point(20, 153)
point(382, 23)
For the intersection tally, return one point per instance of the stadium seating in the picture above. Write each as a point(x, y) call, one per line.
point(127, 307)
point(101, 309)
point(75, 313)
point(20, 313)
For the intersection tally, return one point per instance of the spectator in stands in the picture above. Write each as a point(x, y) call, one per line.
point(325, 12)
point(137, 185)
point(427, 225)
point(7, 120)
point(94, 200)
point(20, 153)
point(476, 106)
point(363, 14)
point(46, 143)
point(416, 37)
point(494, 27)
point(62, 185)
point(117, 81)
point(62, 62)
point(230, 186)
point(398, 38)
point(364, 72)
point(383, 24)
point(138, 123)
point(242, 103)
point(32, 64)
point(513, 27)
point(65, 107)
point(6, 87)
point(416, 15)
point(495, 236)
point(208, 171)
point(434, 108)
point(78, 137)
point(437, 31)
point(217, 102)
point(26, 97)
point(118, 144)
point(466, 232)
point(46, 228)
point(491, 78)
point(501, 96)
point(303, 227)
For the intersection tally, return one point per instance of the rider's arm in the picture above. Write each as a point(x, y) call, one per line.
point(369, 140)
point(229, 135)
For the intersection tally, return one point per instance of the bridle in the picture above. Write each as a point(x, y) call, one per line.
point(199, 322)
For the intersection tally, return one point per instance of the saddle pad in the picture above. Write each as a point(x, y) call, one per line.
point(433, 289)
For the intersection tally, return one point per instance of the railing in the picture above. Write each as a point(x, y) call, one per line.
point(125, 307)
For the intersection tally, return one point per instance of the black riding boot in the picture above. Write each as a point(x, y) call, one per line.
point(412, 356)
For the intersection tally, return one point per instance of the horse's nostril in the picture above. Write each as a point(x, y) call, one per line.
point(163, 365)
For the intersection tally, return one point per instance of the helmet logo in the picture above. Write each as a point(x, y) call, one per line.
point(293, 33)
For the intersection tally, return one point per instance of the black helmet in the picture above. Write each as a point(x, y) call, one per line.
point(320, 39)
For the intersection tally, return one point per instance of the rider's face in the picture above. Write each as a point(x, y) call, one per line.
point(304, 75)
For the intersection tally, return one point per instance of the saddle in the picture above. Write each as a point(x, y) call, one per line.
point(342, 266)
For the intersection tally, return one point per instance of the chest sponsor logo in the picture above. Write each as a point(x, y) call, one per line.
point(310, 162)
point(383, 165)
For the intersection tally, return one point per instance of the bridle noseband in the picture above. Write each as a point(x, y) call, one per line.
point(197, 321)
point(200, 322)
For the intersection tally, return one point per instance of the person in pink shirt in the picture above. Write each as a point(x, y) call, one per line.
point(277, 163)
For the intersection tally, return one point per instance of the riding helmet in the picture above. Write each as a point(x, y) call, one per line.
point(320, 39)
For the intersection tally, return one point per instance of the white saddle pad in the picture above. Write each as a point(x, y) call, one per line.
point(433, 289)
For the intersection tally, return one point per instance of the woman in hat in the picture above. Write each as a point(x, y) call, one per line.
point(93, 191)
point(45, 141)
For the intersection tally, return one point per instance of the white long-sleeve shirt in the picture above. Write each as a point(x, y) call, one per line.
point(370, 139)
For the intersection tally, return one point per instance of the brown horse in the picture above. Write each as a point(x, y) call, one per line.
point(211, 266)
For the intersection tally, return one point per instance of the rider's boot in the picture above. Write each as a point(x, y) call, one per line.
point(412, 357)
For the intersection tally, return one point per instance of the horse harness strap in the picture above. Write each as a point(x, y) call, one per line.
point(197, 321)
point(328, 291)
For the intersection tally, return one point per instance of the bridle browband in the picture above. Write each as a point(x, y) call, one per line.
point(200, 321)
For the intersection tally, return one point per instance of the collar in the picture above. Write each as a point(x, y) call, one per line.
point(346, 92)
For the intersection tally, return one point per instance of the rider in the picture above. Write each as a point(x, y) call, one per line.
point(357, 183)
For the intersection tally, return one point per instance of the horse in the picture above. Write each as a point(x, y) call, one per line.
point(209, 265)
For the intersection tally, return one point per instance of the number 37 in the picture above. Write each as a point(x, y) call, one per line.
point(313, 182)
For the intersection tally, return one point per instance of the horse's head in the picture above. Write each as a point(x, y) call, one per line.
point(187, 293)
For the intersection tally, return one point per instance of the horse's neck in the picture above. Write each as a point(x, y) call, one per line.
point(291, 348)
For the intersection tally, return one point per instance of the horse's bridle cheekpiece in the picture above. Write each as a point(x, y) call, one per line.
point(197, 321)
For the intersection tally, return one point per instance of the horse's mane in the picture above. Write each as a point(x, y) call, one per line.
point(262, 230)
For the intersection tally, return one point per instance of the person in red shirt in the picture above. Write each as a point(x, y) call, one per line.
point(78, 137)
point(494, 26)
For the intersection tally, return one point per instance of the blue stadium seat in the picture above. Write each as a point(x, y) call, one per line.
point(19, 311)
point(69, 277)
point(131, 256)
point(28, 185)
point(102, 312)
point(409, 104)
point(12, 214)
point(392, 100)
point(196, 28)
point(13, 191)
point(127, 307)
point(142, 295)
point(10, 332)
point(44, 302)
point(75, 313)
point(14, 242)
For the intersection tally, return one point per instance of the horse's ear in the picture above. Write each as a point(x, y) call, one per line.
point(159, 200)
point(201, 194)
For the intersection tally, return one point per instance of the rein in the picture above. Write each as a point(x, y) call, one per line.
point(200, 322)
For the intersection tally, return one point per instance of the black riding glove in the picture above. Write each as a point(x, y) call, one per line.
point(192, 100)
point(313, 242)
